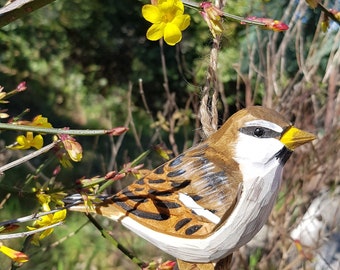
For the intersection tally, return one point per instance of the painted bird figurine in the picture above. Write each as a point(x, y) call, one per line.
point(213, 198)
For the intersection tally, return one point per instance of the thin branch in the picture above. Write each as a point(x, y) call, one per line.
point(130, 118)
point(226, 15)
point(77, 132)
point(19, 8)
point(133, 163)
point(142, 94)
point(2, 203)
point(25, 234)
point(30, 217)
point(28, 157)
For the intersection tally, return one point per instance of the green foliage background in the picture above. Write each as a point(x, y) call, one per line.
point(78, 58)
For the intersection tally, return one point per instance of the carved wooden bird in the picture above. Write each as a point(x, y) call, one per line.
point(213, 198)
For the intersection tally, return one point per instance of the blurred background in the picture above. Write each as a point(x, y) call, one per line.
point(87, 64)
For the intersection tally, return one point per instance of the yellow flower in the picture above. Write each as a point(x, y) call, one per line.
point(45, 221)
point(49, 219)
point(28, 141)
point(40, 121)
point(168, 20)
point(15, 255)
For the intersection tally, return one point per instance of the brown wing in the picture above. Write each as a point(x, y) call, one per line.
point(154, 200)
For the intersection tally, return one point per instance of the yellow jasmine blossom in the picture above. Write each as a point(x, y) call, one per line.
point(49, 219)
point(15, 255)
point(28, 141)
point(45, 221)
point(168, 20)
point(40, 121)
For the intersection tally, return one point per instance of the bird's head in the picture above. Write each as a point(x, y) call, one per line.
point(258, 135)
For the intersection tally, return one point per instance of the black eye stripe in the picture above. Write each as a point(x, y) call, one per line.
point(260, 132)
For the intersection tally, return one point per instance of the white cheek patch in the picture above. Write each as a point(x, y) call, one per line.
point(257, 151)
point(199, 210)
point(264, 123)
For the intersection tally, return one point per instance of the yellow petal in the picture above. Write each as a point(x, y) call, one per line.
point(45, 233)
point(182, 21)
point(172, 34)
point(29, 136)
point(37, 142)
point(151, 13)
point(59, 216)
point(155, 32)
point(22, 141)
point(41, 121)
point(166, 5)
point(15, 255)
point(179, 5)
point(43, 221)
point(171, 6)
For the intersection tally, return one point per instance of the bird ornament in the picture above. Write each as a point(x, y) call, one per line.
point(212, 199)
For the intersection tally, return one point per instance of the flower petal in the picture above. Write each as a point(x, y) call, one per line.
point(40, 121)
point(45, 233)
point(155, 32)
point(22, 141)
point(182, 21)
point(172, 34)
point(168, 20)
point(151, 13)
point(59, 216)
point(179, 5)
point(15, 255)
point(37, 142)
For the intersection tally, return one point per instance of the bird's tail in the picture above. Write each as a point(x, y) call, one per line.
point(104, 208)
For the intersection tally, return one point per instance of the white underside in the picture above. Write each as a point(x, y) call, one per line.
point(251, 212)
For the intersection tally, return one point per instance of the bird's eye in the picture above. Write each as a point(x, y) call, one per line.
point(259, 132)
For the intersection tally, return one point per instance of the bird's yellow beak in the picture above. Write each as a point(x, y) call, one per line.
point(294, 137)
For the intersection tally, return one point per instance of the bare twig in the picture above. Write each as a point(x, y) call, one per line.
point(130, 119)
point(28, 218)
point(77, 132)
point(25, 234)
point(28, 157)
point(19, 8)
